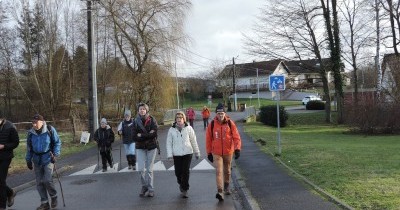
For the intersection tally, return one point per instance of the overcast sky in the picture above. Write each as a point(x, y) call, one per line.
point(216, 28)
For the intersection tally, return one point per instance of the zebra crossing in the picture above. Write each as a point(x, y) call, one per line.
point(158, 166)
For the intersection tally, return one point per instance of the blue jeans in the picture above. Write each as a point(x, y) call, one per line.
point(44, 181)
point(144, 163)
point(129, 149)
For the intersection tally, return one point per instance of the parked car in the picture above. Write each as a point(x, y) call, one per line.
point(310, 98)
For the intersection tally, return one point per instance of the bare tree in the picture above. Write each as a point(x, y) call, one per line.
point(357, 35)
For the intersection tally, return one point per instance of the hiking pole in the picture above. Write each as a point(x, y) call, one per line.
point(58, 177)
point(120, 163)
point(98, 158)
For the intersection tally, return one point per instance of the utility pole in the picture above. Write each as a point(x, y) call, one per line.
point(92, 97)
point(177, 85)
point(234, 85)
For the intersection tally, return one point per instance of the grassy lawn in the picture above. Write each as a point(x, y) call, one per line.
point(68, 147)
point(363, 171)
point(198, 105)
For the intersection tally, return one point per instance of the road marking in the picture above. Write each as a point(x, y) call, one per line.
point(158, 166)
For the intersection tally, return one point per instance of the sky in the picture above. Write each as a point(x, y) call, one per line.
point(216, 29)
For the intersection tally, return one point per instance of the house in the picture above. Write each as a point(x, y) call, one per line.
point(298, 74)
point(390, 73)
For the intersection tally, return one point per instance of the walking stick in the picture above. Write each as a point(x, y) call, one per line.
point(58, 178)
point(98, 158)
point(120, 163)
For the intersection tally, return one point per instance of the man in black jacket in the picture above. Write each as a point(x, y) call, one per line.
point(9, 140)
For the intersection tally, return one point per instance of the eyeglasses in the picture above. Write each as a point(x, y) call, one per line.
point(179, 117)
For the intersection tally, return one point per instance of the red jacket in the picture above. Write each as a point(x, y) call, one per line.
point(191, 114)
point(205, 113)
point(224, 140)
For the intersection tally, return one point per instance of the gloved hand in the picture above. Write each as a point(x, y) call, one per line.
point(237, 154)
point(197, 155)
point(210, 157)
point(29, 165)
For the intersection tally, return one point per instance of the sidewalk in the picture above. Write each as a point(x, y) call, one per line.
point(268, 184)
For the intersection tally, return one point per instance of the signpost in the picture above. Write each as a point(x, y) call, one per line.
point(277, 83)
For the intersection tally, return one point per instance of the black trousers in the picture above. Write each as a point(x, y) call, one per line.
point(106, 157)
point(5, 191)
point(205, 122)
point(182, 170)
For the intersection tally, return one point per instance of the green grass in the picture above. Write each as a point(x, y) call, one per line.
point(361, 170)
point(68, 147)
point(198, 105)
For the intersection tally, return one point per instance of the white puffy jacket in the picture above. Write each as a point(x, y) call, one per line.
point(182, 142)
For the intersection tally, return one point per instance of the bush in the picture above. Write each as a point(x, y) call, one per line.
point(315, 105)
point(268, 115)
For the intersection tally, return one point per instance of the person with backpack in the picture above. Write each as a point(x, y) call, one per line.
point(205, 113)
point(145, 135)
point(104, 137)
point(9, 140)
point(222, 141)
point(43, 148)
point(125, 129)
point(181, 144)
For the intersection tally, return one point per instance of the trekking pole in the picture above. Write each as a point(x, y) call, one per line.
point(98, 158)
point(58, 178)
point(120, 163)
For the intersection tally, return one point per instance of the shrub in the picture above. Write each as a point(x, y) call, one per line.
point(315, 105)
point(268, 115)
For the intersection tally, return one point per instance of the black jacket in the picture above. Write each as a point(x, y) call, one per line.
point(104, 137)
point(9, 138)
point(147, 140)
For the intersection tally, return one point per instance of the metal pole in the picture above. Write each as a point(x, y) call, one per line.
point(92, 98)
point(234, 85)
point(258, 90)
point(177, 85)
point(278, 121)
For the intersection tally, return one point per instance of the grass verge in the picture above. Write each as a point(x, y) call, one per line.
point(363, 171)
point(68, 147)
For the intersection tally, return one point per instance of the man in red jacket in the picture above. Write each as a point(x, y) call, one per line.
point(222, 141)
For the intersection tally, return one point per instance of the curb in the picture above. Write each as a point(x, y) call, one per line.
point(248, 202)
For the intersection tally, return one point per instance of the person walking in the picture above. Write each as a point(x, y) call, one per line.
point(191, 115)
point(104, 136)
point(205, 113)
point(145, 135)
point(43, 147)
point(181, 143)
point(222, 141)
point(9, 140)
point(125, 129)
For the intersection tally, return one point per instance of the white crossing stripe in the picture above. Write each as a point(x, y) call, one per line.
point(85, 171)
point(158, 166)
point(203, 165)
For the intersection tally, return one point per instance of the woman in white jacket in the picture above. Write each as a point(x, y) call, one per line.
point(181, 144)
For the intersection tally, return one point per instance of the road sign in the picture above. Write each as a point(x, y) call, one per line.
point(276, 82)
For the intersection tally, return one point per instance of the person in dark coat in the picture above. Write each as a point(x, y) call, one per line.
point(104, 136)
point(9, 140)
point(125, 130)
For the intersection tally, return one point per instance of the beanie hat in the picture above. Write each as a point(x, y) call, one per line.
point(181, 113)
point(144, 105)
point(38, 117)
point(127, 113)
point(103, 120)
point(220, 108)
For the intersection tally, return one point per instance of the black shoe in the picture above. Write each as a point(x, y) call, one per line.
point(111, 165)
point(220, 196)
point(10, 199)
point(185, 194)
point(54, 202)
point(104, 169)
point(43, 206)
point(129, 167)
point(143, 192)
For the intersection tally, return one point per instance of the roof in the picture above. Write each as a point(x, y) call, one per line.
point(268, 67)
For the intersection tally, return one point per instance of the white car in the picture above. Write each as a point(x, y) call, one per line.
point(310, 98)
